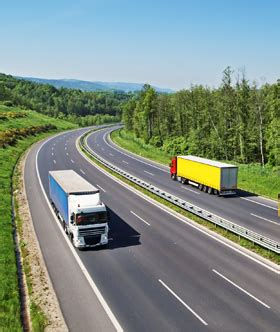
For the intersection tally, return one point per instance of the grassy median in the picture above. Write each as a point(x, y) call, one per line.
point(252, 177)
point(18, 130)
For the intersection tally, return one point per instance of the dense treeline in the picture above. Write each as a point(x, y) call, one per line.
point(237, 121)
point(70, 104)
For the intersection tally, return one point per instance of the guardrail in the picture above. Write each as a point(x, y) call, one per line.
point(226, 224)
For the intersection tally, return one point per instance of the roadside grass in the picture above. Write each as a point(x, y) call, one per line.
point(251, 177)
point(9, 291)
point(275, 258)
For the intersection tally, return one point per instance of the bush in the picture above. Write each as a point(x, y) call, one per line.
point(10, 137)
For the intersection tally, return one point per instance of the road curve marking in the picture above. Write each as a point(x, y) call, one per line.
point(184, 304)
point(274, 222)
point(92, 284)
point(136, 215)
point(130, 156)
point(242, 289)
point(250, 200)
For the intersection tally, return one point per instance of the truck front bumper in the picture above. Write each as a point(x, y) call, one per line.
point(80, 242)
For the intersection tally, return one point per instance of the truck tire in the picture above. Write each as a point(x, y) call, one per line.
point(173, 177)
point(210, 190)
point(200, 187)
point(65, 227)
point(205, 189)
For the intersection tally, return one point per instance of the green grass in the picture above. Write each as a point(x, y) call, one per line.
point(253, 178)
point(9, 292)
point(275, 258)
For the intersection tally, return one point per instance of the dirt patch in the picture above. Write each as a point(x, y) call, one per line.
point(41, 292)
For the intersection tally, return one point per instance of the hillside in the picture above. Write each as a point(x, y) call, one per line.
point(18, 130)
point(94, 85)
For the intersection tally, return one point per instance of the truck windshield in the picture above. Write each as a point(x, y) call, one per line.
point(91, 218)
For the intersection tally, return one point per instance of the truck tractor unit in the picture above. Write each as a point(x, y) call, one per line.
point(78, 206)
point(209, 176)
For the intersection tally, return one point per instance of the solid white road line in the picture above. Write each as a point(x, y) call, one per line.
point(186, 221)
point(54, 161)
point(242, 289)
point(125, 162)
point(193, 191)
point(97, 185)
point(130, 156)
point(140, 218)
point(80, 263)
point(82, 171)
point(255, 215)
point(149, 173)
point(184, 304)
point(250, 200)
point(72, 161)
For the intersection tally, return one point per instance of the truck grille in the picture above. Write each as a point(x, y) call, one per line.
point(92, 231)
point(91, 240)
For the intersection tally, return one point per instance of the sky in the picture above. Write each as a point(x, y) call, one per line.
point(172, 44)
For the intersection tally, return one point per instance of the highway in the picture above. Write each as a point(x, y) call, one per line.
point(245, 209)
point(158, 272)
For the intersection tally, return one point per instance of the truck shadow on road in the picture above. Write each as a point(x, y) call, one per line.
point(121, 234)
point(243, 193)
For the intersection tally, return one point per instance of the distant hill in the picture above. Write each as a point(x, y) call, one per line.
point(93, 86)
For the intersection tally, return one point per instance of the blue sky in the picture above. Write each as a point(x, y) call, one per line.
point(167, 43)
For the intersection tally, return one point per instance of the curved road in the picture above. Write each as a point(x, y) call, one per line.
point(158, 272)
point(248, 210)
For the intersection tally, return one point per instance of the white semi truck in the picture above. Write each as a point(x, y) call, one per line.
point(77, 204)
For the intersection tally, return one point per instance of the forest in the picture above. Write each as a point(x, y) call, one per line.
point(82, 107)
point(238, 121)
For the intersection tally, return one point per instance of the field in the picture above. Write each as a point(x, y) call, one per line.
point(253, 178)
point(21, 131)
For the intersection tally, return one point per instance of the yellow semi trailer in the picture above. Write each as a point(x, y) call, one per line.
point(209, 175)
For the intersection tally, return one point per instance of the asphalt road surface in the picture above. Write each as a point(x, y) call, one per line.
point(158, 273)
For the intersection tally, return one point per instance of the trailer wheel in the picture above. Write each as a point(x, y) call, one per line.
point(210, 190)
point(205, 188)
point(200, 187)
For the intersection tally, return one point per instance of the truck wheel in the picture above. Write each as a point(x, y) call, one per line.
point(200, 187)
point(65, 227)
point(173, 176)
point(210, 190)
point(205, 188)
